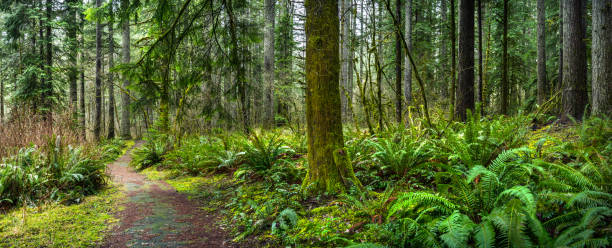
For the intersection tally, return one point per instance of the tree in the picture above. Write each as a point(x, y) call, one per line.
point(465, 91)
point(269, 62)
point(98, 111)
point(408, 67)
point(329, 167)
point(71, 34)
point(505, 87)
point(125, 50)
point(542, 84)
point(347, 56)
point(238, 66)
point(82, 69)
point(453, 92)
point(398, 66)
point(480, 72)
point(574, 59)
point(602, 58)
point(111, 75)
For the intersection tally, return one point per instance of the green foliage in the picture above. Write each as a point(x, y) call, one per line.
point(57, 173)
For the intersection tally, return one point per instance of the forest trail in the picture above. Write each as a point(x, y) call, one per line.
point(154, 214)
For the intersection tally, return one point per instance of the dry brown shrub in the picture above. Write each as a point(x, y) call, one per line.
point(25, 128)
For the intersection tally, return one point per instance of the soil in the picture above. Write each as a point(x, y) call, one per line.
point(156, 215)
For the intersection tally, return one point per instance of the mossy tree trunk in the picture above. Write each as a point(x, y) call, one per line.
point(330, 169)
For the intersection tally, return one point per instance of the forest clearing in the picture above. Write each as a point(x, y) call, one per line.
point(305, 123)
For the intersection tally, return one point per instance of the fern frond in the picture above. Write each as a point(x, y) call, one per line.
point(456, 230)
point(485, 235)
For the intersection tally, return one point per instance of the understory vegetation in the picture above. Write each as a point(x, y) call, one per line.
point(483, 183)
point(55, 172)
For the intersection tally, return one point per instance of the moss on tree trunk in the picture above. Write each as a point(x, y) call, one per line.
point(330, 168)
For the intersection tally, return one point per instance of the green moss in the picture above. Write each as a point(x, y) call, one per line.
point(56, 225)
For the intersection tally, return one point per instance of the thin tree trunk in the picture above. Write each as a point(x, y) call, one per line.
point(71, 33)
point(125, 98)
point(98, 110)
point(602, 58)
point(465, 91)
point(398, 66)
point(480, 73)
point(1, 101)
point(49, 60)
point(269, 62)
point(111, 75)
point(542, 84)
point(560, 76)
point(505, 87)
point(574, 59)
point(378, 44)
point(82, 69)
point(330, 169)
point(453, 92)
point(408, 67)
point(443, 47)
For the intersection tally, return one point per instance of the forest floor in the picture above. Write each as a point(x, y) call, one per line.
point(155, 214)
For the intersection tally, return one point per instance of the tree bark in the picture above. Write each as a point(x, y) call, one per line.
point(574, 59)
point(111, 75)
point(542, 84)
point(443, 48)
point(453, 91)
point(98, 110)
point(398, 66)
point(125, 49)
point(408, 67)
point(49, 60)
point(505, 87)
point(602, 58)
point(560, 76)
point(82, 69)
point(71, 34)
point(269, 62)
point(330, 169)
point(465, 91)
point(480, 72)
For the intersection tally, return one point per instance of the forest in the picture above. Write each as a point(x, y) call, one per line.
point(305, 123)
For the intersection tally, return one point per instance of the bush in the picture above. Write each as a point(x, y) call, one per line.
point(56, 172)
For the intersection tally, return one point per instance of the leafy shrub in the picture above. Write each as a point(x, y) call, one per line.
point(56, 172)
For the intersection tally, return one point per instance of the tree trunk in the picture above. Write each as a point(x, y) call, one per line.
point(71, 34)
point(408, 67)
point(82, 69)
point(111, 75)
point(453, 91)
point(269, 62)
point(398, 66)
point(330, 169)
point(98, 110)
point(505, 87)
point(542, 84)
point(465, 91)
point(377, 57)
point(480, 73)
point(602, 58)
point(574, 59)
point(49, 60)
point(443, 47)
point(560, 76)
point(125, 98)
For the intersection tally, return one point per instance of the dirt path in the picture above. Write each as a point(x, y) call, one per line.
point(156, 215)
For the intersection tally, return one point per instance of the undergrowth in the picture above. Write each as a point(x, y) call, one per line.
point(482, 183)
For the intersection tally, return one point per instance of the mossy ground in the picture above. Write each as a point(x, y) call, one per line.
point(57, 225)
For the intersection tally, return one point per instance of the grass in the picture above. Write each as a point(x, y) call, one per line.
point(58, 225)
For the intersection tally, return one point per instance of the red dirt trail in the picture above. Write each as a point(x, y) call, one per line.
point(155, 215)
